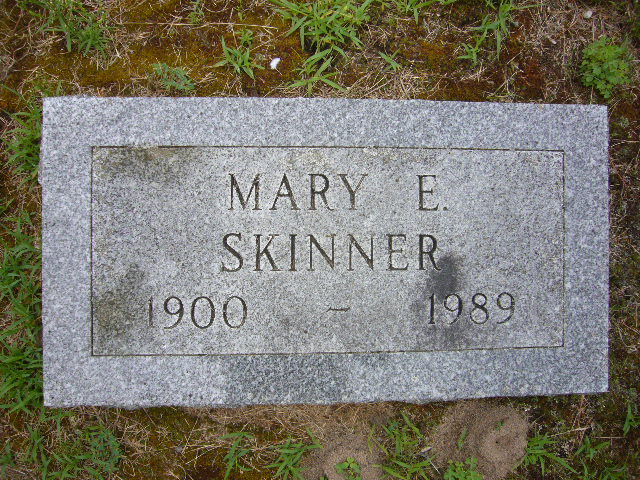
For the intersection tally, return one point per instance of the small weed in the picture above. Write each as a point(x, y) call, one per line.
point(607, 470)
point(36, 452)
point(500, 25)
point(406, 459)
point(471, 50)
point(236, 452)
point(605, 65)
point(287, 465)
point(241, 10)
point(499, 425)
point(84, 30)
point(54, 415)
point(172, 78)
point(462, 438)
point(326, 28)
point(613, 473)
point(413, 7)
point(538, 453)
point(390, 59)
point(97, 453)
point(349, 469)
point(196, 13)
point(493, 25)
point(635, 22)
point(240, 58)
point(632, 420)
point(410, 7)
point(589, 450)
point(463, 471)
point(310, 76)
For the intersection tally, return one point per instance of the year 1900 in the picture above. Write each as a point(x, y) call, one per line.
point(202, 311)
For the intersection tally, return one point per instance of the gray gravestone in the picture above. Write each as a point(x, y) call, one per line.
point(235, 251)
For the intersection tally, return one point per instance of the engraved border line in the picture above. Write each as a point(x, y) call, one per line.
point(563, 314)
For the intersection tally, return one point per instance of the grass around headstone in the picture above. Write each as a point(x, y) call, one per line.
point(377, 49)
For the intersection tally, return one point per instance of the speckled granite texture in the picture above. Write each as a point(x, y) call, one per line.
point(137, 203)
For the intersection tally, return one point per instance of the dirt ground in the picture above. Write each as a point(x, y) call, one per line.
point(495, 435)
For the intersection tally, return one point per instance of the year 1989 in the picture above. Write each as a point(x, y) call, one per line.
point(480, 308)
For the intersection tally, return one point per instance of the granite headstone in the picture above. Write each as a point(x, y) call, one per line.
point(237, 251)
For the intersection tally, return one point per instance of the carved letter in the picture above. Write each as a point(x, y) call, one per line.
point(368, 259)
point(330, 260)
point(392, 250)
point(322, 193)
point(289, 194)
point(292, 250)
point(265, 251)
point(233, 251)
point(422, 191)
point(352, 191)
point(429, 253)
point(255, 186)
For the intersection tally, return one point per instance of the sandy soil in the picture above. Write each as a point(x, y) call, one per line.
point(495, 435)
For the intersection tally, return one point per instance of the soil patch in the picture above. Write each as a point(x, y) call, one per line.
point(496, 436)
point(322, 462)
point(326, 422)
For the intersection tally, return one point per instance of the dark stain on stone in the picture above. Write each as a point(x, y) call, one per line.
point(114, 309)
point(445, 280)
point(164, 165)
point(441, 282)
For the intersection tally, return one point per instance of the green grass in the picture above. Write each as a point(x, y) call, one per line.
point(467, 470)
point(22, 141)
point(172, 79)
point(20, 349)
point(605, 65)
point(239, 58)
point(7, 459)
point(232, 459)
point(392, 64)
point(539, 453)
point(586, 454)
point(196, 14)
point(494, 26)
point(632, 419)
point(290, 453)
point(403, 450)
point(93, 452)
point(349, 469)
point(326, 28)
point(84, 29)
point(414, 7)
point(20, 266)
